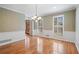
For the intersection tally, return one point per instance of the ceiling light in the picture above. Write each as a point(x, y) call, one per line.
point(39, 18)
point(36, 18)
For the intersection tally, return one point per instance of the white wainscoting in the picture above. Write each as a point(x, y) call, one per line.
point(68, 36)
point(14, 36)
point(34, 32)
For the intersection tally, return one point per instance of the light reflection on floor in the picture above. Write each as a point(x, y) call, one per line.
point(39, 45)
point(55, 48)
point(44, 45)
point(60, 48)
point(27, 42)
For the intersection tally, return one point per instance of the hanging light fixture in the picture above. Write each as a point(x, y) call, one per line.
point(36, 17)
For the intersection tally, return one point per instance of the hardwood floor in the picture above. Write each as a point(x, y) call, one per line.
point(39, 45)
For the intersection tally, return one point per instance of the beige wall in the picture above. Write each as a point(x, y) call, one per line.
point(69, 21)
point(11, 21)
point(48, 22)
point(1, 28)
point(0, 20)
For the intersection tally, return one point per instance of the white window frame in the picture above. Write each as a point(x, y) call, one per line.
point(54, 26)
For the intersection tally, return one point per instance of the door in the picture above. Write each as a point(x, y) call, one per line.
point(28, 29)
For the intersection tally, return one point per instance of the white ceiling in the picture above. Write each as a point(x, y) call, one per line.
point(43, 9)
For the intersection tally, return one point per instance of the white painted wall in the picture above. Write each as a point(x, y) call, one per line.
point(77, 28)
point(15, 36)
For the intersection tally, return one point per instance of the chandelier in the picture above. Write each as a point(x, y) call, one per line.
point(36, 17)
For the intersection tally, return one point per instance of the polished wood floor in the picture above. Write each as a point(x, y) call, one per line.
point(39, 45)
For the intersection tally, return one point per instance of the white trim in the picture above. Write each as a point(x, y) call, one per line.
point(11, 9)
point(59, 15)
point(57, 25)
point(77, 29)
point(77, 44)
point(68, 36)
point(14, 36)
point(53, 25)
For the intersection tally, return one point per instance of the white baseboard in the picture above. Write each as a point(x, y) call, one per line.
point(77, 41)
point(68, 36)
point(14, 36)
point(77, 45)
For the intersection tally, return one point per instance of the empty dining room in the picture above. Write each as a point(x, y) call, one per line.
point(39, 28)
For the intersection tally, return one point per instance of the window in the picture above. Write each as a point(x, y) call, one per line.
point(58, 25)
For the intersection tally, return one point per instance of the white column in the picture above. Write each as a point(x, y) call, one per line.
point(77, 29)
